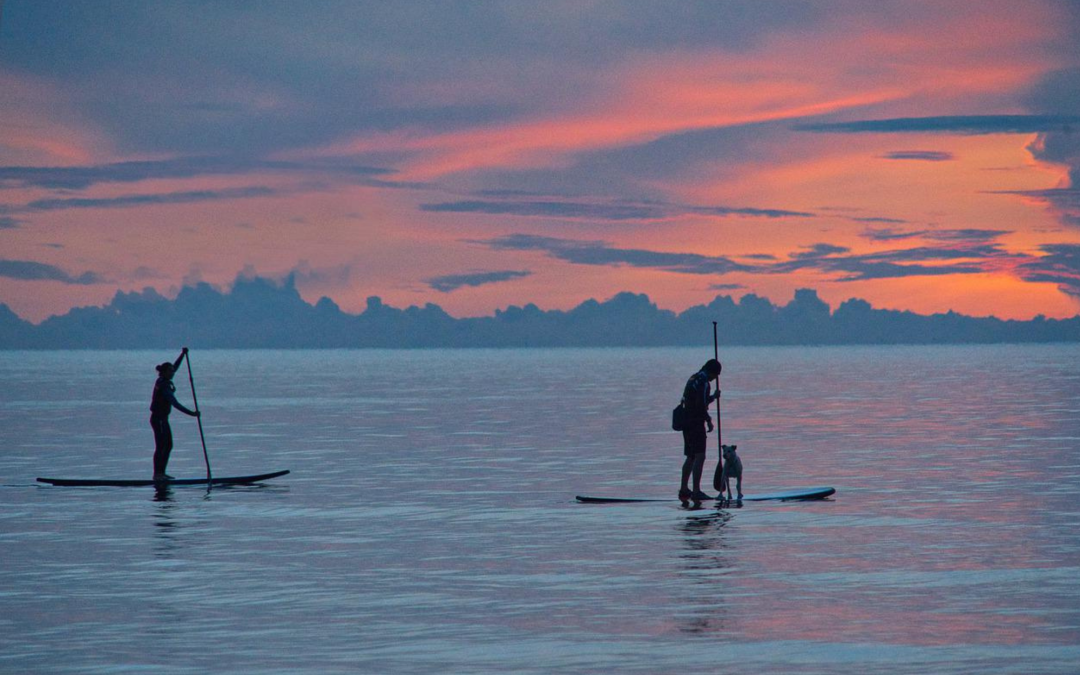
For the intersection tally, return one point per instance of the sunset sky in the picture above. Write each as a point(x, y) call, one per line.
point(920, 155)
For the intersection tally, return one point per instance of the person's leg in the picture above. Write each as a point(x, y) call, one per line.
point(687, 467)
point(162, 445)
point(168, 445)
point(699, 468)
point(159, 444)
point(696, 444)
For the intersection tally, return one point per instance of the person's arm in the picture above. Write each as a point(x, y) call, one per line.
point(180, 406)
point(179, 359)
point(706, 400)
point(703, 402)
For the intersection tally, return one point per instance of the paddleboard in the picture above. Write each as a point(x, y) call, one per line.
point(792, 494)
point(98, 482)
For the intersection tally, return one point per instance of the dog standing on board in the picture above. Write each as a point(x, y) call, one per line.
point(732, 469)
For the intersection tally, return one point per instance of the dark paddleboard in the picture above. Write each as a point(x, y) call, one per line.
point(96, 482)
point(793, 494)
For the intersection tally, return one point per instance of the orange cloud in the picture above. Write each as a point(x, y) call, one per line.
point(850, 67)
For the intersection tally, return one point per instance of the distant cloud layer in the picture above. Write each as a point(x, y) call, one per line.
point(259, 313)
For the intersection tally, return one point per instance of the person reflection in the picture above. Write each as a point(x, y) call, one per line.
point(166, 527)
point(705, 559)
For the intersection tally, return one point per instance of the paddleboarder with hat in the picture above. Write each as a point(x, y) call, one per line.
point(161, 404)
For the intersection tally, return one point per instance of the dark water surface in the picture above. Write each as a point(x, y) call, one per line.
point(429, 523)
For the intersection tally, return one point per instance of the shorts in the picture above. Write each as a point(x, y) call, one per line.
point(694, 440)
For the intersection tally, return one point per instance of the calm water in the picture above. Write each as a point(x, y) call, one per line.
point(429, 523)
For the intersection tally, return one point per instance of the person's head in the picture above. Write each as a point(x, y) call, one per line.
point(712, 368)
point(166, 370)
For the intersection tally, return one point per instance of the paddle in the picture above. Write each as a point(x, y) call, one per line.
point(719, 474)
point(198, 418)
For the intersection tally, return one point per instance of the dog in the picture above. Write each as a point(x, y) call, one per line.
point(732, 469)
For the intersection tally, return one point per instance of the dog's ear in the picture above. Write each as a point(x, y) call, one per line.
point(734, 447)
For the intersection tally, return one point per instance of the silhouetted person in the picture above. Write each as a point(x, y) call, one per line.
point(161, 404)
point(695, 400)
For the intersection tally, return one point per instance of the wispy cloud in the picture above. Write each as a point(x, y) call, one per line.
point(615, 210)
point(124, 201)
point(551, 209)
point(81, 177)
point(958, 235)
point(1060, 265)
point(603, 253)
point(452, 282)
point(9, 223)
point(951, 124)
point(723, 211)
point(28, 270)
point(1066, 201)
point(819, 251)
point(861, 268)
point(877, 219)
point(919, 155)
point(962, 257)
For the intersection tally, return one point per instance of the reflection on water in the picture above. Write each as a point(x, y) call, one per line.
point(704, 532)
point(166, 527)
point(706, 560)
point(428, 521)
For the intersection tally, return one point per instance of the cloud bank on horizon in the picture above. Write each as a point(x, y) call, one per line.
point(923, 156)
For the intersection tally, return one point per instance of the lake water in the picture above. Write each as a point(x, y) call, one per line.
point(429, 524)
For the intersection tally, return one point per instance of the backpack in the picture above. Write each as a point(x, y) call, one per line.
point(678, 417)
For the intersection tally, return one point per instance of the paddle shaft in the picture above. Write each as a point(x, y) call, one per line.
point(717, 483)
point(716, 355)
point(198, 418)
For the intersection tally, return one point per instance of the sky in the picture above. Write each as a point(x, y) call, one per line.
point(923, 156)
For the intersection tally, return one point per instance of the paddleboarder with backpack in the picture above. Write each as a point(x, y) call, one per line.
point(161, 404)
point(694, 414)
